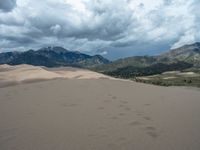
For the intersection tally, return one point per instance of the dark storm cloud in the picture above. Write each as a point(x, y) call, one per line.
point(7, 5)
point(98, 25)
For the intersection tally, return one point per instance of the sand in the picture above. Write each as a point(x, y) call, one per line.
point(98, 114)
point(10, 75)
point(23, 73)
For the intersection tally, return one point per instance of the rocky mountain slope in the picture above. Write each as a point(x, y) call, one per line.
point(52, 57)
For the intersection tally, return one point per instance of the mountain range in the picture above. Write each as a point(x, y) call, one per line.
point(185, 57)
point(52, 57)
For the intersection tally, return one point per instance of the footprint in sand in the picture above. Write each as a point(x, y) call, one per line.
point(114, 97)
point(147, 118)
point(135, 123)
point(40, 87)
point(64, 105)
point(122, 114)
point(141, 114)
point(127, 108)
point(147, 104)
point(152, 134)
point(151, 128)
point(151, 131)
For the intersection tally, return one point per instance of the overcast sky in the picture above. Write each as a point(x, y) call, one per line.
point(113, 28)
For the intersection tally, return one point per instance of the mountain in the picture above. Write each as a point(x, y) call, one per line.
point(177, 59)
point(136, 61)
point(187, 53)
point(52, 57)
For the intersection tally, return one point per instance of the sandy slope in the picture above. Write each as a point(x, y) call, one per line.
point(98, 114)
point(76, 73)
point(27, 73)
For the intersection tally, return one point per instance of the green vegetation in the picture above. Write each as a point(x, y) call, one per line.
point(136, 61)
point(172, 79)
point(131, 72)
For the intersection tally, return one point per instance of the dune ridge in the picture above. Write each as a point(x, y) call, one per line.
point(28, 73)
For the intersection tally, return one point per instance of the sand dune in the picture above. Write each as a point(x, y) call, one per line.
point(76, 73)
point(27, 73)
point(95, 114)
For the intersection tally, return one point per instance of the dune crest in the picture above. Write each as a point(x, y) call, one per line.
point(23, 73)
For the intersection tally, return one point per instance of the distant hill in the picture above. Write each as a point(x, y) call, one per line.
point(187, 53)
point(177, 59)
point(136, 61)
point(52, 57)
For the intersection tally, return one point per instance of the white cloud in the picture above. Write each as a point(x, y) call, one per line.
point(103, 53)
point(187, 38)
point(56, 29)
point(89, 25)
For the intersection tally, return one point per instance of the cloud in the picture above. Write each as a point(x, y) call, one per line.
point(103, 53)
point(7, 5)
point(93, 25)
point(56, 29)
